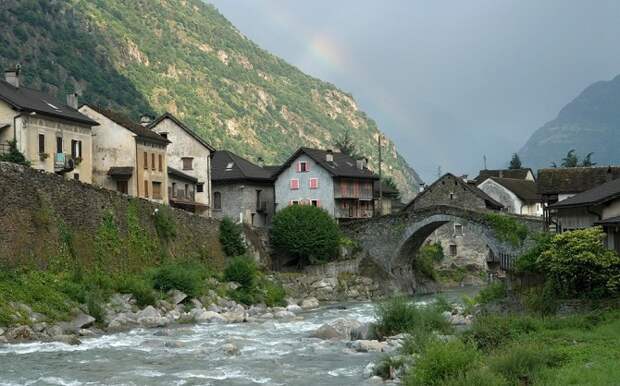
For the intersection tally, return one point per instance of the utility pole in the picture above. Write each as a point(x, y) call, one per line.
point(484, 159)
point(439, 172)
point(380, 178)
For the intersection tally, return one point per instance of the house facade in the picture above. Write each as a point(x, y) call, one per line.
point(128, 158)
point(182, 191)
point(52, 135)
point(597, 206)
point(518, 196)
point(330, 180)
point(242, 190)
point(190, 154)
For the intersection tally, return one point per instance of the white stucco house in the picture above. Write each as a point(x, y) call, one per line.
point(191, 155)
point(519, 196)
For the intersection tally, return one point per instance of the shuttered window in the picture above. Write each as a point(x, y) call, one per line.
point(294, 184)
point(314, 183)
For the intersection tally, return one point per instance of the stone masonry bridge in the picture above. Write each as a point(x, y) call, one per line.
point(392, 241)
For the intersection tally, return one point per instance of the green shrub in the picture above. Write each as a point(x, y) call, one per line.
point(388, 365)
point(139, 287)
point(274, 294)
point(518, 363)
point(165, 224)
point(94, 301)
point(476, 377)
point(528, 262)
point(14, 155)
point(542, 300)
point(306, 233)
point(416, 341)
point(441, 361)
point(231, 238)
point(493, 292)
point(242, 270)
point(398, 315)
point(247, 296)
point(107, 243)
point(581, 265)
point(507, 229)
point(188, 278)
point(423, 265)
point(491, 331)
point(433, 251)
point(442, 304)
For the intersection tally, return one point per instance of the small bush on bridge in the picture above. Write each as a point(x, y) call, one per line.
point(306, 233)
point(507, 229)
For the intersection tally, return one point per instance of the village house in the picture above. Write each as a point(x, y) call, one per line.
point(518, 196)
point(242, 190)
point(191, 155)
point(128, 157)
point(182, 191)
point(597, 206)
point(558, 184)
point(330, 180)
point(460, 242)
point(518, 174)
point(52, 135)
point(388, 199)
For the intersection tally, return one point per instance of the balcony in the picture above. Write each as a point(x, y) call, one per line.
point(63, 163)
point(261, 207)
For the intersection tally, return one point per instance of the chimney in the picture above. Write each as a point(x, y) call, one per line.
point(501, 174)
point(329, 156)
point(72, 100)
point(145, 120)
point(260, 162)
point(361, 163)
point(11, 76)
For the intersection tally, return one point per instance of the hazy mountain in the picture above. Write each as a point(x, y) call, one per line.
point(184, 57)
point(590, 123)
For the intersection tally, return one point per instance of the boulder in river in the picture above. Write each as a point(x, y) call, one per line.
point(337, 329)
point(230, 349)
point(293, 308)
point(176, 296)
point(151, 317)
point(201, 315)
point(284, 315)
point(367, 345)
point(310, 303)
point(20, 333)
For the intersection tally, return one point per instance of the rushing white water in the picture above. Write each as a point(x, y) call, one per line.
point(271, 353)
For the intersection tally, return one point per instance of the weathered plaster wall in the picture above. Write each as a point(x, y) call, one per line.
point(239, 202)
point(325, 192)
point(448, 191)
point(512, 203)
point(184, 145)
point(35, 203)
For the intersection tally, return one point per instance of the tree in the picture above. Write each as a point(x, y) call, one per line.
point(389, 182)
point(346, 146)
point(305, 233)
point(571, 160)
point(515, 162)
point(587, 160)
point(231, 238)
point(14, 155)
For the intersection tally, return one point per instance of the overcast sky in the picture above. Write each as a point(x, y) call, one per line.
point(448, 81)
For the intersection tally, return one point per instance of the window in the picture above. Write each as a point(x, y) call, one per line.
point(41, 143)
point(453, 250)
point(302, 167)
point(186, 192)
point(165, 135)
point(458, 229)
point(161, 163)
point(451, 196)
point(146, 188)
point(146, 161)
point(217, 200)
point(174, 189)
point(58, 144)
point(314, 183)
point(229, 166)
point(200, 187)
point(153, 161)
point(76, 176)
point(187, 163)
point(157, 190)
point(74, 149)
point(315, 203)
point(122, 186)
point(294, 184)
point(294, 202)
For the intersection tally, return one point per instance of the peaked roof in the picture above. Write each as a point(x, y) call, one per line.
point(526, 190)
point(574, 180)
point(187, 129)
point(488, 200)
point(27, 99)
point(240, 169)
point(130, 125)
point(342, 166)
point(519, 174)
point(595, 196)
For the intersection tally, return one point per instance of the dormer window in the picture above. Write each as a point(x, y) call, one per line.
point(302, 167)
point(229, 166)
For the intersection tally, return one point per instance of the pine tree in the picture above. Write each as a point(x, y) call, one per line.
point(515, 162)
point(571, 160)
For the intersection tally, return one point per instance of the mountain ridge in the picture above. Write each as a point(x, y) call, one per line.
point(184, 57)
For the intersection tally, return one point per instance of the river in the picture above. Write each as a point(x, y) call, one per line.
point(271, 353)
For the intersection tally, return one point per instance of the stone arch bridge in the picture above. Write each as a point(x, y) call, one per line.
point(392, 241)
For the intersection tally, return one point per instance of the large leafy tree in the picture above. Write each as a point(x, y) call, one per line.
point(571, 160)
point(515, 162)
point(346, 146)
point(305, 233)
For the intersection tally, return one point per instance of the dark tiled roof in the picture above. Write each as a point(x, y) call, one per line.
point(597, 195)
point(608, 221)
point(188, 130)
point(27, 99)
point(526, 190)
point(240, 169)
point(574, 180)
point(343, 165)
point(120, 171)
point(180, 175)
point(386, 190)
point(519, 174)
point(126, 122)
